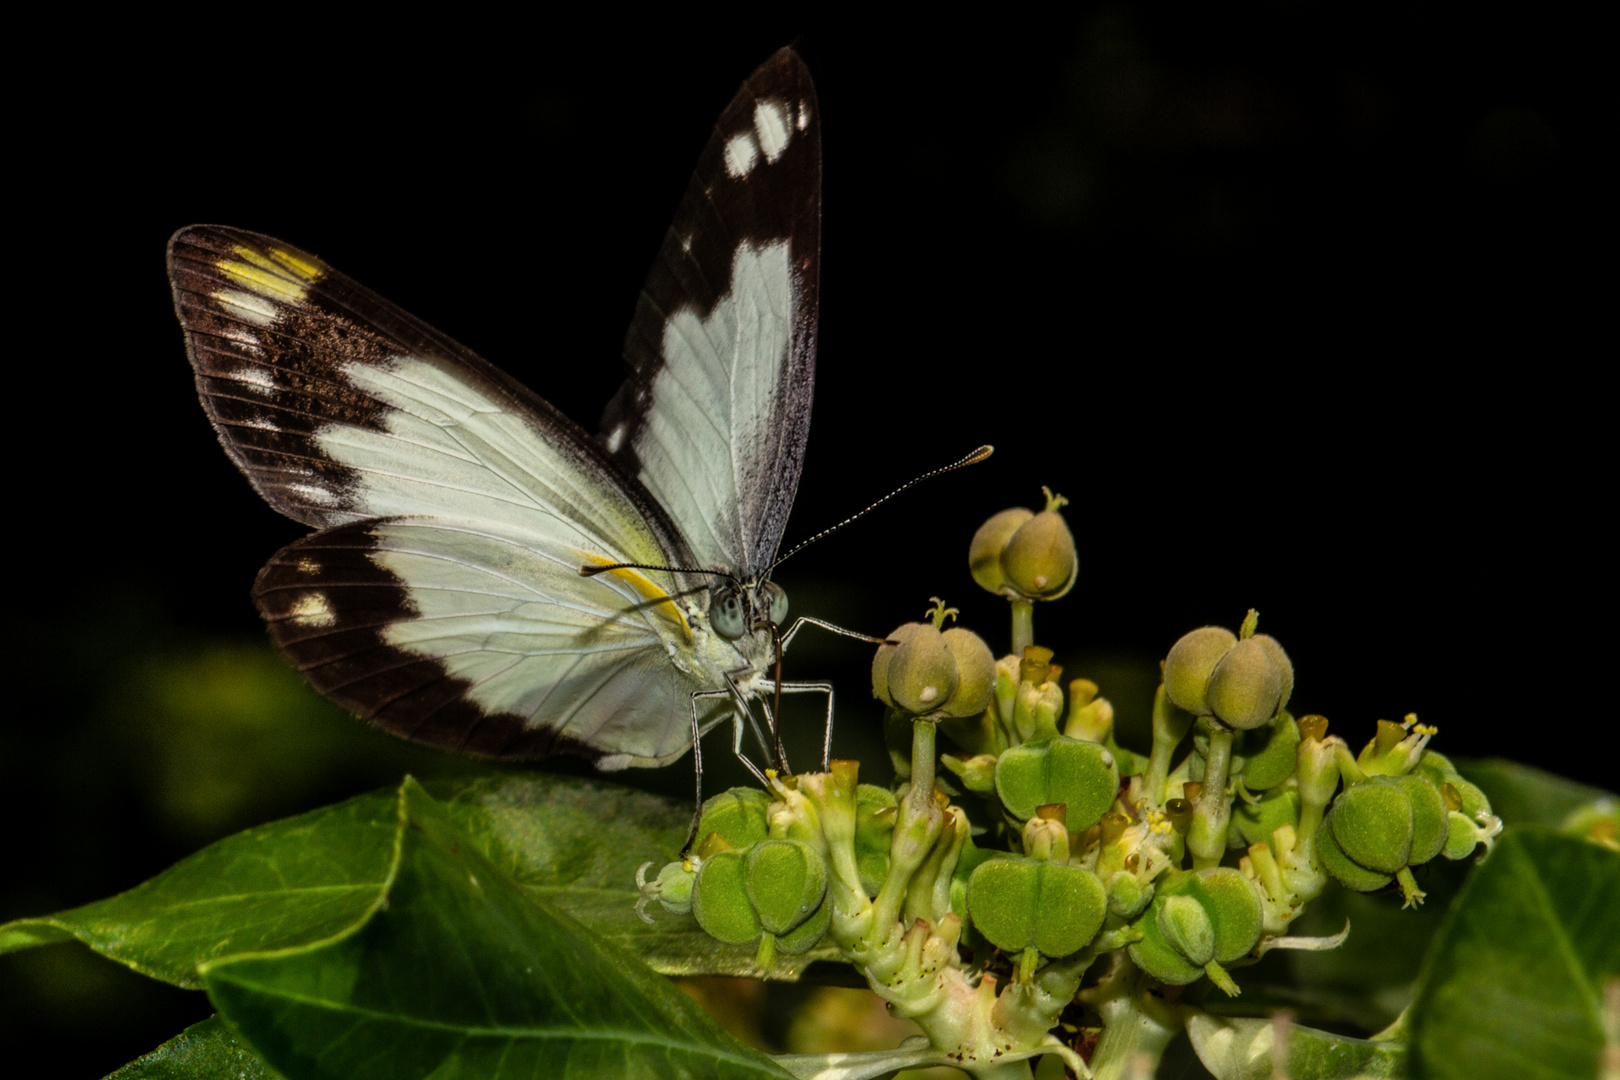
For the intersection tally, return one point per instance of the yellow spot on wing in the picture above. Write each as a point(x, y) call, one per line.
point(309, 271)
point(277, 273)
point(264, 282)
point(658, 600)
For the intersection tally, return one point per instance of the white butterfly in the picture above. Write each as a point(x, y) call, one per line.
point(443, 597)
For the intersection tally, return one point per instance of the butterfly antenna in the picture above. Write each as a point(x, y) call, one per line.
point(972, 459)
point(592, 571)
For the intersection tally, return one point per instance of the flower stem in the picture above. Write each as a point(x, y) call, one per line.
point(1206, 839)
point(1023, 625)
point(1136, 1024)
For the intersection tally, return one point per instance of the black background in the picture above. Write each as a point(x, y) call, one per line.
point(1289, 302)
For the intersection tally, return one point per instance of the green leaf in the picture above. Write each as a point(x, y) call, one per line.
point(1511, 985)
point(1523, 795)
point(205, 1051)
point(574, 842)
point(458, 971)
point(1240, 1049)
point(274, 886)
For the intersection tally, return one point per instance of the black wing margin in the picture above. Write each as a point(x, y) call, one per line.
point(715, 414)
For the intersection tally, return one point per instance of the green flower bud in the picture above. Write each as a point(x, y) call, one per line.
point(1232, 907)
point(1127, 896)
point(1081, 775)
point(1470, 799)
point(977, 773)
point(736, 816)
point(1036, 709)
point(1187, 929)
point(1245, 687)
point(1046, 836)
point(885, 655)
point(1090, 717)
point(1070, 911)
point(1316, 765)
point(1274, 762)
point(984, 553)
point(1372, 823)
point(1256, 823)
point(805, 936)
point(874, 826)
point(1188, 667)
point(1333, 859)
point(1019, 903)
point(1039, 560)
point(1461, 838)
point(1002, 898)
point(720, 899)
point(975, 672)
point(1429, 824)
point(786, 881)
point(672, 888)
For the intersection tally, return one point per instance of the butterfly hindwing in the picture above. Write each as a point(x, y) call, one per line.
point(462, 638)
point(715, 414)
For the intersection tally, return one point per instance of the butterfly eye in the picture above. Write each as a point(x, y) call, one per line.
point(776, 596)
point(726, 612)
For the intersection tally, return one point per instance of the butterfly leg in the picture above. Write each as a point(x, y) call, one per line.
point(697, 760)
point(743, 709)
point(833, 627)
point(817, 688)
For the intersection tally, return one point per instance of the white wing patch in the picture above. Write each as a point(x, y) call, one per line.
point(769, 137)
point(312, 610)
point(450, 451)
point(712, 399)
point(246, 306)
point(770, 126)
point(741, 153)
point(584, 656)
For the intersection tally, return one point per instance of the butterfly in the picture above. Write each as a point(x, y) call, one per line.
point(487, 577)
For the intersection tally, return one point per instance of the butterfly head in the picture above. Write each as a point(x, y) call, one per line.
point(737, 608)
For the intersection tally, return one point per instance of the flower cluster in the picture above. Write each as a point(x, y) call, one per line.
point(974, 900)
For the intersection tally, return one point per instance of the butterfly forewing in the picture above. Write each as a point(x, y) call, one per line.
point(715, 414)
point(339, 406)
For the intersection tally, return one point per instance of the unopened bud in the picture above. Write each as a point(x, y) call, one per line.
point(984, 553)
point(1191, 661)
point(975, 672)
point(921, 674)
point(1040, 560)
point(1245, 687)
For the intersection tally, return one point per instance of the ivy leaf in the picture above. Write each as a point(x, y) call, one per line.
point(1240, 1049)
point(574, 842)
point(1512, 984)
point(204, 1051)
point(274, 886)
point(458, 971)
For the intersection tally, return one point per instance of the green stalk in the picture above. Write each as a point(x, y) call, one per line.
point(1023, 625)
point(1135, 1023)
point(1170, 726)
point(1206, 839)
point(922, 763)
